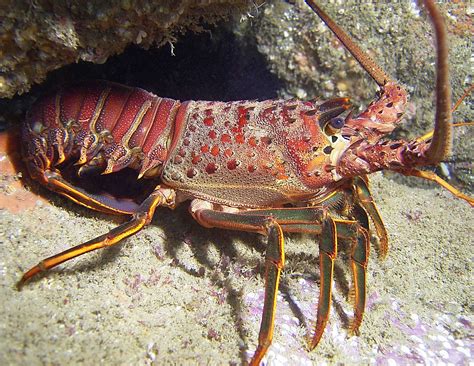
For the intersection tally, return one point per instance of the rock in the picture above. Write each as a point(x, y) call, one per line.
point(37, 37)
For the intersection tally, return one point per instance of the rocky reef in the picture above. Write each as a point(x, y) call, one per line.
point(41, 36)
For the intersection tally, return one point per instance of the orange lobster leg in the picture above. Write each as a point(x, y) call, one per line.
point(358, 235)
point(327, 255)
point(307, 220)
point(364, 197)
point(99, 202)
point(143, 216)
point(359, 259)
point(274, 262)
point(433, 177)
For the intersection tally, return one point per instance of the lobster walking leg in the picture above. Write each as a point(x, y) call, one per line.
point(359, 259)
point(357, 233)
point(309, 220)
point(142, 217)
point(434, 178)
point(363, 196)
point(274, 262)
point(327, 255)
point(99, 202)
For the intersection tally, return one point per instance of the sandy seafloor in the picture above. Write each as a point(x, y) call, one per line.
point(179, 294)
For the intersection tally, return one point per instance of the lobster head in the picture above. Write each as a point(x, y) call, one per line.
point(365, 150)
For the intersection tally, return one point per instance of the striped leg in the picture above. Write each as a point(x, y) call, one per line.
point(364, 198)
point(142, 217)
point(307, 220)
point(327, 255)
point(99, 202)
point(274, 262)
point(359, 258)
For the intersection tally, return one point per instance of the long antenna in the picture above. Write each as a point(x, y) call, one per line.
point(442, 141)
point(369, 65)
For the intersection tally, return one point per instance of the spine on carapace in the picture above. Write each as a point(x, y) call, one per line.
point(104, 126)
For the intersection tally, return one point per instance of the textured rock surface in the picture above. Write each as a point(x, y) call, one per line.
point(39, 36)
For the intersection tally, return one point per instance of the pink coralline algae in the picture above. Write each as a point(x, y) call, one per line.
point(426, 342)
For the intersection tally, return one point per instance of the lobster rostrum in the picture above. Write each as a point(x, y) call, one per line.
point(268, 167)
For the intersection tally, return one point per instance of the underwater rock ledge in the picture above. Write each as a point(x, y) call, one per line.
point(37, 37)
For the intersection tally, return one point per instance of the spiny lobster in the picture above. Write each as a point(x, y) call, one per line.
point(267, 167)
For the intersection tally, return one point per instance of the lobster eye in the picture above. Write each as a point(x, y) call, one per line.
point(337, 123)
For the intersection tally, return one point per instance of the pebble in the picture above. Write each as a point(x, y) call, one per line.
point(416, 339)
point(404, 349)
point(421, 352)
point(391, 362)
point(444, 354)
point(300, 93)
point(447, 345)
point(464, 351)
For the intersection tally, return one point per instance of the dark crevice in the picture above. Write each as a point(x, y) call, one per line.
point(213, 65)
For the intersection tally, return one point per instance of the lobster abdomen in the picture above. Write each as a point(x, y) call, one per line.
point(104, 126)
